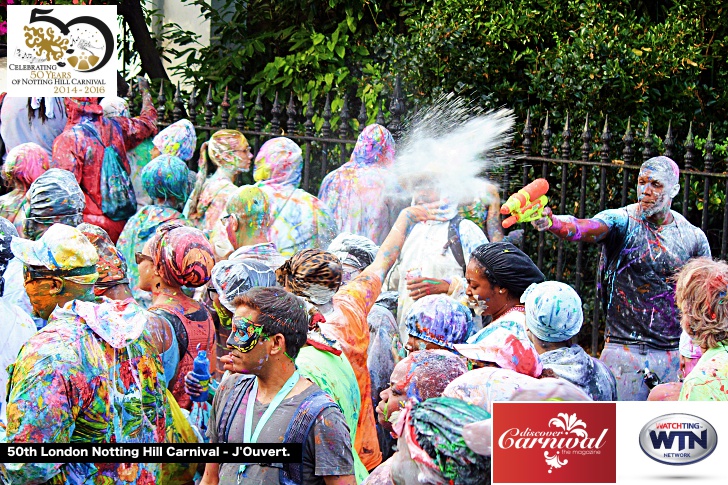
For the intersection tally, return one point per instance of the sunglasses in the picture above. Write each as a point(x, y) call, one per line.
point(139, 257)
point(245, 335)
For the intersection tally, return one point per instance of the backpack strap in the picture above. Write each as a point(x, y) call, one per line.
point(298, 431)
point(232, 404)
point(454, 242)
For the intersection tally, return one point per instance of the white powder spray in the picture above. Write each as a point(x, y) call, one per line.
point(450, 145)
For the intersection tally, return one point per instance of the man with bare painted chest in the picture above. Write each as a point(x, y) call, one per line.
point(643, 245)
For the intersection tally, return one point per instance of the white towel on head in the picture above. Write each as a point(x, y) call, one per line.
point(50, 111)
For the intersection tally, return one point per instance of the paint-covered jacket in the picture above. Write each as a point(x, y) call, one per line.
point(82, 154)
point(708, 381)
point(90, 375)
point(638, 259)
point(356, 192)
point(579, 368)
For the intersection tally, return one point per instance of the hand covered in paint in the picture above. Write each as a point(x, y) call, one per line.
point(143, 84)
point(192, 385)
point(424, 212)
point(545, 221)
point(232, 363)
point(419, 287)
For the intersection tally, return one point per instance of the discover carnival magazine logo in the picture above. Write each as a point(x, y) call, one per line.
point(64, 50)
point(562, 442)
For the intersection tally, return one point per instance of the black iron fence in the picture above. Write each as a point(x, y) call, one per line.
point(587, 173)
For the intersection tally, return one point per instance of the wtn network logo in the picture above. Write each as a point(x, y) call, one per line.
point(678, 439)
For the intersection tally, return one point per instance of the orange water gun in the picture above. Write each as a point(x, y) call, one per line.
point(527, 204)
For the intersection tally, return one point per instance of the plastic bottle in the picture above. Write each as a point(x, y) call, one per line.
point(650, 378)
point(201, 372)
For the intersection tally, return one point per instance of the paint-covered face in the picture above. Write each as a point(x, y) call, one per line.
point(147, 272)
point(246, 341)
point(425, 194)
point(42, 293)
point(394, 397)
point(244, 155)
point(654, 191)
point(483, 296)
point(404, 469)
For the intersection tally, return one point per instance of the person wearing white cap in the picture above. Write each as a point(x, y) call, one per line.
point(553, 318)
point(91, 375)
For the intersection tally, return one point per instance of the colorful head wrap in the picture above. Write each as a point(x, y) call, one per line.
point(250, 204)
point(433, 431)
point(235, 277)
point(439, 319)
point(354, 250)
point(178, 139)
point(225, 147)
point(63, 250)
point(279, 162)
point(428, 372)
point(182, 255)
point(56, 193)
point(508, 266)
point(25, 163)
point(550, 389)
point(311, 273)
point(115, 106)
point(375, 146)
point(553, 311)
point(7, 233)
point(167, 177)
point(482, 387)
point(506, 344)
point(111, 265)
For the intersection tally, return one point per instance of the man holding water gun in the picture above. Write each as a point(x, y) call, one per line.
point(643, 246)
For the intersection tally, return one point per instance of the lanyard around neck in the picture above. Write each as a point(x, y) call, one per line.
point(249, 408)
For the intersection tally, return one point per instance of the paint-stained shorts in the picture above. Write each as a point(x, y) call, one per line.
point(625, 362)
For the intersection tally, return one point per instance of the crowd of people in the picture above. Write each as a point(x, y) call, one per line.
point(376, 333)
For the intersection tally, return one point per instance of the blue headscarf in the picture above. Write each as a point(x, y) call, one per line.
point(441, 320)
point(553, 311)
point(166, 177)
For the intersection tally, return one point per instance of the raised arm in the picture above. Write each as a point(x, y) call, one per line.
point(571, 228)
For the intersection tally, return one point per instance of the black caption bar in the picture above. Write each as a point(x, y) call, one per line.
point(150, 453)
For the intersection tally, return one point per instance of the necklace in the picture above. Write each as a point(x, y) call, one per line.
point(514, 308)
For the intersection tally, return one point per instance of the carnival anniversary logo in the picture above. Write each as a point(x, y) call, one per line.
point(62, 51)
point(561, 442)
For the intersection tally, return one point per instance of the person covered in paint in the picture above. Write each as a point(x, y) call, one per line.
point(437, 322)
point(246, 227)
point(269, 328)
point(700, 293)
point(504, 344)
point(356, 253)
point(80, 149)
point(230, 152)
point(315, 275)
point(31, 120)
point(433, 253)
point(419, 376)
point(553, 319)
point(356, 192)
point(16, 326)
point(165, 180)
point(24, 164)
point(432, 448)
point(114, 284)
point(55, 197)
point(496, 277)
point(299, 220)
point(643, 246)
point(72, 377)
point(177, 256)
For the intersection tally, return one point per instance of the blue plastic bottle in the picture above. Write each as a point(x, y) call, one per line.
point(201, 372)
